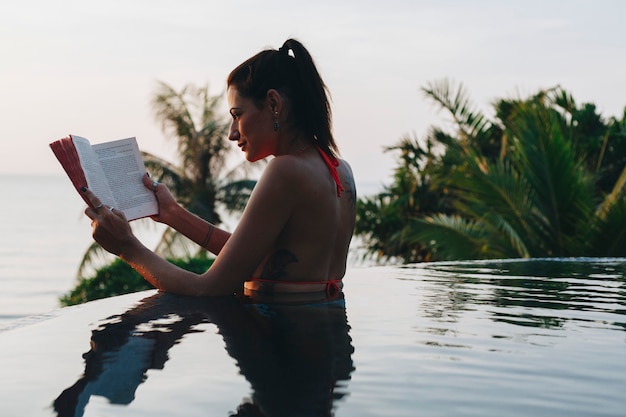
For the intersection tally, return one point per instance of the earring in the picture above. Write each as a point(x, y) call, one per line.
point(276, 125)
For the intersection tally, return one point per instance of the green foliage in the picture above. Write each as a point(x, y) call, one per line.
point(381, 218)
point(119, 278)
point(545, 178)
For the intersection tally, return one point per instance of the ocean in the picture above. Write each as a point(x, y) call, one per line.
point(43, 236)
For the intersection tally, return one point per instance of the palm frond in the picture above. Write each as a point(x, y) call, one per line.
point(175, 245)
point(614, 197)
point(508, 243)
point(546, 159)
point(94, 258)
point(470, 122)
point(160, 168)
point(245, 170)
point(450, 237)
point(190, 117)
point(608, 237)
point(235, 194)
point(172, 111)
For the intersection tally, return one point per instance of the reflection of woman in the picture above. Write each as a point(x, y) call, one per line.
point(295, 231)
point(294, 356)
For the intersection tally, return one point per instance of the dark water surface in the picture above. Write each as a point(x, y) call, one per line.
point(499, 338)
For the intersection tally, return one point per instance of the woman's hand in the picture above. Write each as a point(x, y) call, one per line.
point(167, 203)
point(109, 226)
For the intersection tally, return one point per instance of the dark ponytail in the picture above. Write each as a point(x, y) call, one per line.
point(291, 71)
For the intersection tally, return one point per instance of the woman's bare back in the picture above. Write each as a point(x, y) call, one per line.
point(326, 218)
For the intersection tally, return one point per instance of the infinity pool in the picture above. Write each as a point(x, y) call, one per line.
point(498, 338)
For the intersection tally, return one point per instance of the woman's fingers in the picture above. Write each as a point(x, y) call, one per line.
point(150, 183)
point(110, 227)
point(95, 205)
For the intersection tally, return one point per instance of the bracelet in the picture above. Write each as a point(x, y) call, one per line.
point(207, 238)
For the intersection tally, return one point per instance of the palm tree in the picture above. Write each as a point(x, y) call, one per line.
point(199, 179)
point(539, 197)
point(544, 178)
point(411, 195)
point(420, 186)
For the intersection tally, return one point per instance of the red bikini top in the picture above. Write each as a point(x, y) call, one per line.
point(332, 163)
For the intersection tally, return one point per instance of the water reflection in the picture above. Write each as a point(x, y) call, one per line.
point(537, 293)
point(297, 358)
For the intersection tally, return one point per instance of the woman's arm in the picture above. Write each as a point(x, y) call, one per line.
point(205, 234)
point(265, 216)
point(188, 224)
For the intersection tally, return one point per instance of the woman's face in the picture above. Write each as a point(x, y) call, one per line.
point(251, 127)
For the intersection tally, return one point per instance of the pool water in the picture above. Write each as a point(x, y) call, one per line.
point(496, 338)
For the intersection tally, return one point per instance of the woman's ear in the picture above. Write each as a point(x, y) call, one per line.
point(275, 101)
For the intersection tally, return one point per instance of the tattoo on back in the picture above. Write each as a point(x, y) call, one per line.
point(351, 188)
point(275, 266)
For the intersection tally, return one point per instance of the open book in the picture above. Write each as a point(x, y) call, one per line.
point(112, 170)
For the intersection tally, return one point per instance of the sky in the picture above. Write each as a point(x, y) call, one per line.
point(90, 68)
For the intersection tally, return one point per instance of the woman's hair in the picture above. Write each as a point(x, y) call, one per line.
point(291, 71)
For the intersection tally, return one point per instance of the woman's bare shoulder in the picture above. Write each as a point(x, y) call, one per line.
point(343, 164)
point(287, 169)
point(282, 176)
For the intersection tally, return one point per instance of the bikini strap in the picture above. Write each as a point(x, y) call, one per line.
point(332, 163)
point(332, 286)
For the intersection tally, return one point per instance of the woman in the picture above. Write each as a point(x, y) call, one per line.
point(294, 233)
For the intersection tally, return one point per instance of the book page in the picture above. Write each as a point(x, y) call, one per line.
point(94, 174)
point(124, 169)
